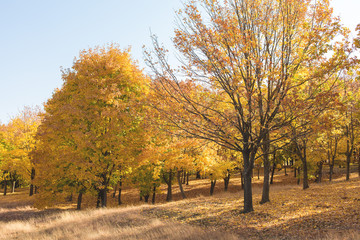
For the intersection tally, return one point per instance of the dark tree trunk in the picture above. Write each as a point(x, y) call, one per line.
point(348, 158)
point(248, 167)
point(305, 175)
point(5, 187)
point(212, 187)
point(188, 174)
point(294, 172)
point(78, 206)
point(305, 170)
point(319, 172)
point(184, 177)
point(226, 181)
point(119, 196)
point(36, 189)
point(272, 173)
point(266, 184)
point(146, 197)
point(169, 190)
point(298, 180)
point(153, 196)
point(180, 184)
point(103, 197)
point(198, 175)
point(32, 177)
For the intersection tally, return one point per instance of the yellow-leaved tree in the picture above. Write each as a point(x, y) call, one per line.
point(245, 57)
point(91, 127)
point(18, 142)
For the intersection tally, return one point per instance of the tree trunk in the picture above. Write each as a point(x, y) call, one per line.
point(198, 175)
point(298, 180)
point(305, 172)
point(331, 172)
point(212, 187)
point(13, 186)
point(103, 197)
point(266, 184)
point(285, 170)
point(169, 190)
point(184, 177)
point(295, 172)
point(32, 177)
point(248, 166)
point(305, 175)
point(153, 196)
point(115, 190)
point(272, 173)
point(180, 184)
point(119, 196)
point(5, 187)
point(348, 158)
point(78, 206)
point(319, 172)
point(146, 197)
point(226, 181)
point(188, 174)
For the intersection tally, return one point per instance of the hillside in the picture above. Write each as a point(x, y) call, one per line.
point(330, 210)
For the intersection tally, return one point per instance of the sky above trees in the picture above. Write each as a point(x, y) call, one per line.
point(40, 37)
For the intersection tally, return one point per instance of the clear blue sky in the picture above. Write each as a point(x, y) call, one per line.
point(39, 36)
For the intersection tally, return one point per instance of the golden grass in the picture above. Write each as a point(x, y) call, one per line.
point(330, 210)
point(126, 223)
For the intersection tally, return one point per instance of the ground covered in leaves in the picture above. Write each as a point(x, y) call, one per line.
point(329, 210)
point(325, 211)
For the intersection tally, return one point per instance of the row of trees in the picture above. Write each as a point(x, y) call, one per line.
point(17, 141)
point(255, 73)
point(259, 81)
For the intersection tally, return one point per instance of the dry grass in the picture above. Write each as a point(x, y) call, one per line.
point(126, 223)
point(330, 210)
point(325, 211)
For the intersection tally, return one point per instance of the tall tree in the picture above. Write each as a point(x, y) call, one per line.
point(93, 121)
point(240, 59)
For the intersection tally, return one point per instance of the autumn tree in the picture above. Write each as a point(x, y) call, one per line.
point(18, 142)
point(92, 124)
point(239, 60)
point(350, 94)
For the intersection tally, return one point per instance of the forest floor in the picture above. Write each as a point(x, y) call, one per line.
point(328, 210)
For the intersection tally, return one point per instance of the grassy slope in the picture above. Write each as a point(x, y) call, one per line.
point(326, 210)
